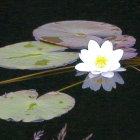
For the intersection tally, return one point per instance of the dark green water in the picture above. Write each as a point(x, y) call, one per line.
point(108, 115)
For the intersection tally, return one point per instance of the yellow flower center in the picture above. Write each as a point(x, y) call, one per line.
point(101, 62)
point(100, 80)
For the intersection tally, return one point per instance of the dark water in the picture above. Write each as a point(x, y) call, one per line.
point(108, 115)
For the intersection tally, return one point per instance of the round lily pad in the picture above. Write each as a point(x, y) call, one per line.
point(76, 33)
point(26, 106)
point(35, 55)
point(124, 42)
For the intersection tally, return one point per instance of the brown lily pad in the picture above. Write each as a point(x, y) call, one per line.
point(76, 33)
point(124, 42)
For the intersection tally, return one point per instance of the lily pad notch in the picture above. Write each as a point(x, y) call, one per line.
point(26, 106)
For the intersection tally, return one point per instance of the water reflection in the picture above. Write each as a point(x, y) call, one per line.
point(95, 83)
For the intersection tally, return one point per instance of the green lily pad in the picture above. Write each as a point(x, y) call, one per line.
point(35, 55)
point(26, 106)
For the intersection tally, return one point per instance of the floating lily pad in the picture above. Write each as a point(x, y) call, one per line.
point(35, 55)
point(26, 106)
point(128, 55)
point(124, 42)
point(75, 34)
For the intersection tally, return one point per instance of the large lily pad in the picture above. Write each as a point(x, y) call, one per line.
point(75, 34)
point(25, 105)
point(35, 55)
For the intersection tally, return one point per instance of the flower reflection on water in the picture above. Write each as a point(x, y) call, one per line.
point(95, 83)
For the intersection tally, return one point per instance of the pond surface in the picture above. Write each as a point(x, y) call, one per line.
point(108, 115)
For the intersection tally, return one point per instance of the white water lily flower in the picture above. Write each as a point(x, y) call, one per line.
point(100, 60)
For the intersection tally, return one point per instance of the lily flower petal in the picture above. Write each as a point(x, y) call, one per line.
point(93, 46)
point(95, 72)
point(85, 56)
point(83, 67)
point(95, 86)
point(117, 54)
point(90, 75)
point(108, 74)
point(107, 46)
point(102, 60)
point(108, 87)
point(84, 52)
point(115, 66)
point(118, 79)
point(120, 69)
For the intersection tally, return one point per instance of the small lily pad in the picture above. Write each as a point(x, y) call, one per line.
point(124, 42)
point(26, 106)
point(35, 55)
point(128, 55)
point(121, 41)
point(75, 34)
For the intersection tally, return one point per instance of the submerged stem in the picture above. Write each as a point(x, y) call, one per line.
point(133, 61)
point(34, 74)
point(135, 68)
point(39, 76)
point(72, 85)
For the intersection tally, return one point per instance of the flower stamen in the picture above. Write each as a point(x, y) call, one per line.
point(101, 62)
